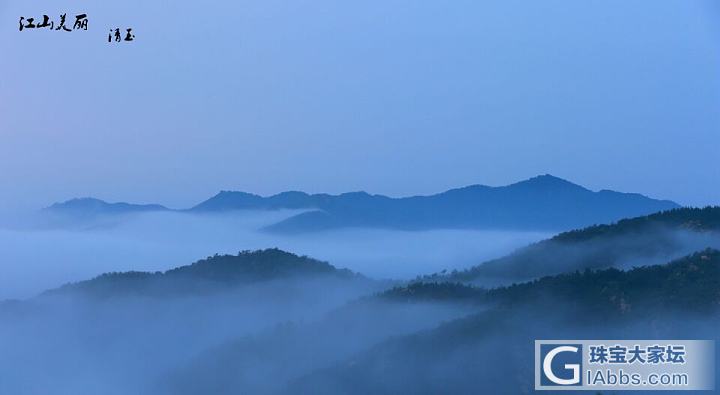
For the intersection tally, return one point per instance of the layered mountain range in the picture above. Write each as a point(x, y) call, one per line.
point(272, 322)
point(543, 203)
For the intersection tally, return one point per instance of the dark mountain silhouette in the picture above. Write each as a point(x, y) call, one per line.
point(658, 301)
point(690, 282)
point(215, 273)
point(89, 207)
point(636, 241)
point(540, 203)
point(461, 356)
point(165, 318)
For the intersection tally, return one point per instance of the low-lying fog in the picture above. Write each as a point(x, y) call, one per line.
point(33, 260)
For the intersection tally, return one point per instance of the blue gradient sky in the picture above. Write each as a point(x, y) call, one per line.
point(394, 96)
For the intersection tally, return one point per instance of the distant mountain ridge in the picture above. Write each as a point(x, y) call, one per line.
point(540, 203)
point(91, 206)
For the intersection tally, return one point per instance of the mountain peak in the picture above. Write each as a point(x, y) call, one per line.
point(548, 181)
point(225, 199)
point(90, 205)
point(214, 273)
point(268, 263)
point(83, 202)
